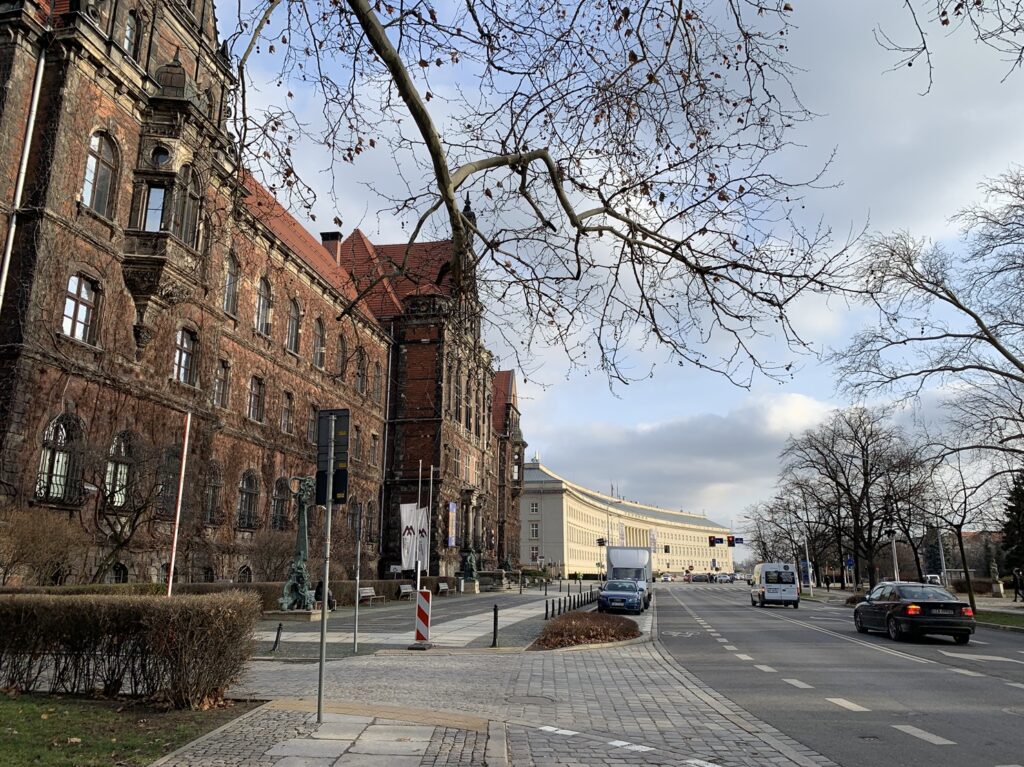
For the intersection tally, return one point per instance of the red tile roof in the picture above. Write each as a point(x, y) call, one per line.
point(296, 238)
point(504, 388)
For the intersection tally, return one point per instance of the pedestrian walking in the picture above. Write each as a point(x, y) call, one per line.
point(1018, 584)
point(828, 583)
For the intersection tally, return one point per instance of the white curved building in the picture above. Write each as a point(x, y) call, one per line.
point(561, 522)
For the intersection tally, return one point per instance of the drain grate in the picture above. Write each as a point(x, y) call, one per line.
point(869, 737)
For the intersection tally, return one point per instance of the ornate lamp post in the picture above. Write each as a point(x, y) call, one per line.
point(297, 594)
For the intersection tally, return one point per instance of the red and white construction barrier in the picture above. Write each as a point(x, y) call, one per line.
point(423, 615)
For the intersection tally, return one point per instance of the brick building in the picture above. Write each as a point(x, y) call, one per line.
point(146, 277)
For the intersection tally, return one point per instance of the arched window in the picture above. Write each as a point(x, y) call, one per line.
point(231, 285)
point(118, 477)
point(279, 505)
point(209, 576)
point(369, 522)
point(80, 304)
point(245, 574)
point(361, 370)
point(312, 419)
point(356, 447)
point(131, 35)
point(214, 484)
point(479, 411)
point(319, 344)
point(165, 569)
point(167, 479)
point(263, 304)
point(287, 413)
point(354, 513)
point(188, 204)
point(185, 345)
point(257, 397)
point(377, 382)
point(292, 339)
point(248, 500)
point(59, 478)
point(100, 175)
point(119, 572)
point(450, 381)
point(488, 415)
point(342, 366)
point(468, 423)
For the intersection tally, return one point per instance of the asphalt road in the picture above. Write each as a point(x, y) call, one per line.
point(858, 699)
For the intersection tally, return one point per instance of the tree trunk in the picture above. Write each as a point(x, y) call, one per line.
point(959, 532)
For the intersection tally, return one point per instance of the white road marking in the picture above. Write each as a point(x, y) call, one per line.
point(635, 747)
point(965, 672)
point(977, 641)
point(619, 743)
point(967, 656)
point(798, 684)
point(869, 645)
point(848, 705)
point(926, 736)
point(700, 763)
point(765, 669)
point(1009, 765)
point(730, 647)
point(1016, 684)
point(721, 640)
point(743, 657)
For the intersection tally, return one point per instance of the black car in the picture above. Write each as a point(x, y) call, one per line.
point(905, 610)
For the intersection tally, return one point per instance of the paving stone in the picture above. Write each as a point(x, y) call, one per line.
point(310, 747)
point(304, 761)
point(391, 747)
point(397, 732)
point(340, 730)
point(375, 760)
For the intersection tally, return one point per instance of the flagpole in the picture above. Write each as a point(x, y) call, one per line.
point(430, 514)
point(419, 486)
point(177, 503)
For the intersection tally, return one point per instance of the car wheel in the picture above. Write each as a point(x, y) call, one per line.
point(796, 605)
point(858, 624)
point(894, 630)
point(962, 638)
point(637, 611)
point(753, 602)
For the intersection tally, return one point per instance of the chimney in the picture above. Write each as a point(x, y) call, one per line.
point(332, 244)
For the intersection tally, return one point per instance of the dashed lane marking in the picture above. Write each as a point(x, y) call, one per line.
point(848, 705)
point(968, 656)
point(700, 763)
point(721, 640)
point(743, 657)
point(557, 731)
point(798, 684)
point(625, 744)
point(923, 735)
point(1016, 684)
point(765, 669)
point(730, 647)
point(967, 672)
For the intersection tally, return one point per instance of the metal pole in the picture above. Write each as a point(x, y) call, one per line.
point(895, 563)
point(430, 518)
point(494, 641)
point(327, 574)
point(359, 551)
point(417, 575)
point(810, 577)
point(942, 557)
point(177, 503)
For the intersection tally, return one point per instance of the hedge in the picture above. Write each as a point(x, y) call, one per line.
point(186, 650)
point(268, 591)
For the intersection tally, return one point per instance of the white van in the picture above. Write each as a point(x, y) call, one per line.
point(774, 583)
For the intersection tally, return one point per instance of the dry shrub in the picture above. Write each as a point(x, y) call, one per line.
point(855, 599)
point(586, 628)
point(185, 650)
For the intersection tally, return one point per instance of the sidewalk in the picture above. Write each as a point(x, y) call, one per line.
point(465, 707)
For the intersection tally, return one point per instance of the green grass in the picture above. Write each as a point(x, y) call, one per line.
point(1003, 619)
point(52, 731)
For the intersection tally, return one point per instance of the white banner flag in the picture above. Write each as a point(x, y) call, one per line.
point(415, 537)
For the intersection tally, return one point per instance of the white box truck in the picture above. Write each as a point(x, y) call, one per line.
point(633, 562)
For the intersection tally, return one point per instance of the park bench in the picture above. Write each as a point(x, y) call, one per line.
point(368, 594)
point(405, 591)
point(442, 589)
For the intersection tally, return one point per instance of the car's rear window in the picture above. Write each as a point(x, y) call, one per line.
point(779, 576)
point(621, 586)
point(925, 592)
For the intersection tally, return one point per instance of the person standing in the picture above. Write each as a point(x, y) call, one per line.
point(828, 583)
point(1018, 584)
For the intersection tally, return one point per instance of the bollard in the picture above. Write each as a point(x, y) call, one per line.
point(494, 641)
point(277, 640)
point(520, 583)
point(545, 587)
point(545, 609)
point(580, 583)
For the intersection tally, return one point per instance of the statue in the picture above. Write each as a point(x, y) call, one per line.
point(469, 569)
point(297, 594)
point(993, 570)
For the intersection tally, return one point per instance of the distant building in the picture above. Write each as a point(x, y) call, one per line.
point(561, 522)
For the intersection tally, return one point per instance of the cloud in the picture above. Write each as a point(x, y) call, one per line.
point(718, 464)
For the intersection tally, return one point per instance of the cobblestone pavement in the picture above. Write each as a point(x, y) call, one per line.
point(625, 705)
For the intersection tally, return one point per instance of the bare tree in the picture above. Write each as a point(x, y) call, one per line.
point(621, 160)
point(951, 322)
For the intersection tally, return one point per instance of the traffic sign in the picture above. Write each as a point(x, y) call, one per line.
point(849, 561)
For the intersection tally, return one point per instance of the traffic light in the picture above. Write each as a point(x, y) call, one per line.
point(711, 541)
point(730, 540)
point(601, 541)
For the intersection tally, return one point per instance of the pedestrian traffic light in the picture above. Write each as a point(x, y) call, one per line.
point(601, 541)
point(730, 540)
point(711, 541)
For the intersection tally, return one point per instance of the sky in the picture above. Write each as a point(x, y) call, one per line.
point(687, 439)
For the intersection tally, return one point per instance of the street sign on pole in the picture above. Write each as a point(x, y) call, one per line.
point(332, 453)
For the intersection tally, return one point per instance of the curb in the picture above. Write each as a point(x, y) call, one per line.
point(208, 736)
point(1001, 627)
point(496, 751)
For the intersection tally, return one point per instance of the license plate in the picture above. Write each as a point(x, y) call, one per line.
point(943, 612)
point(617, 602)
